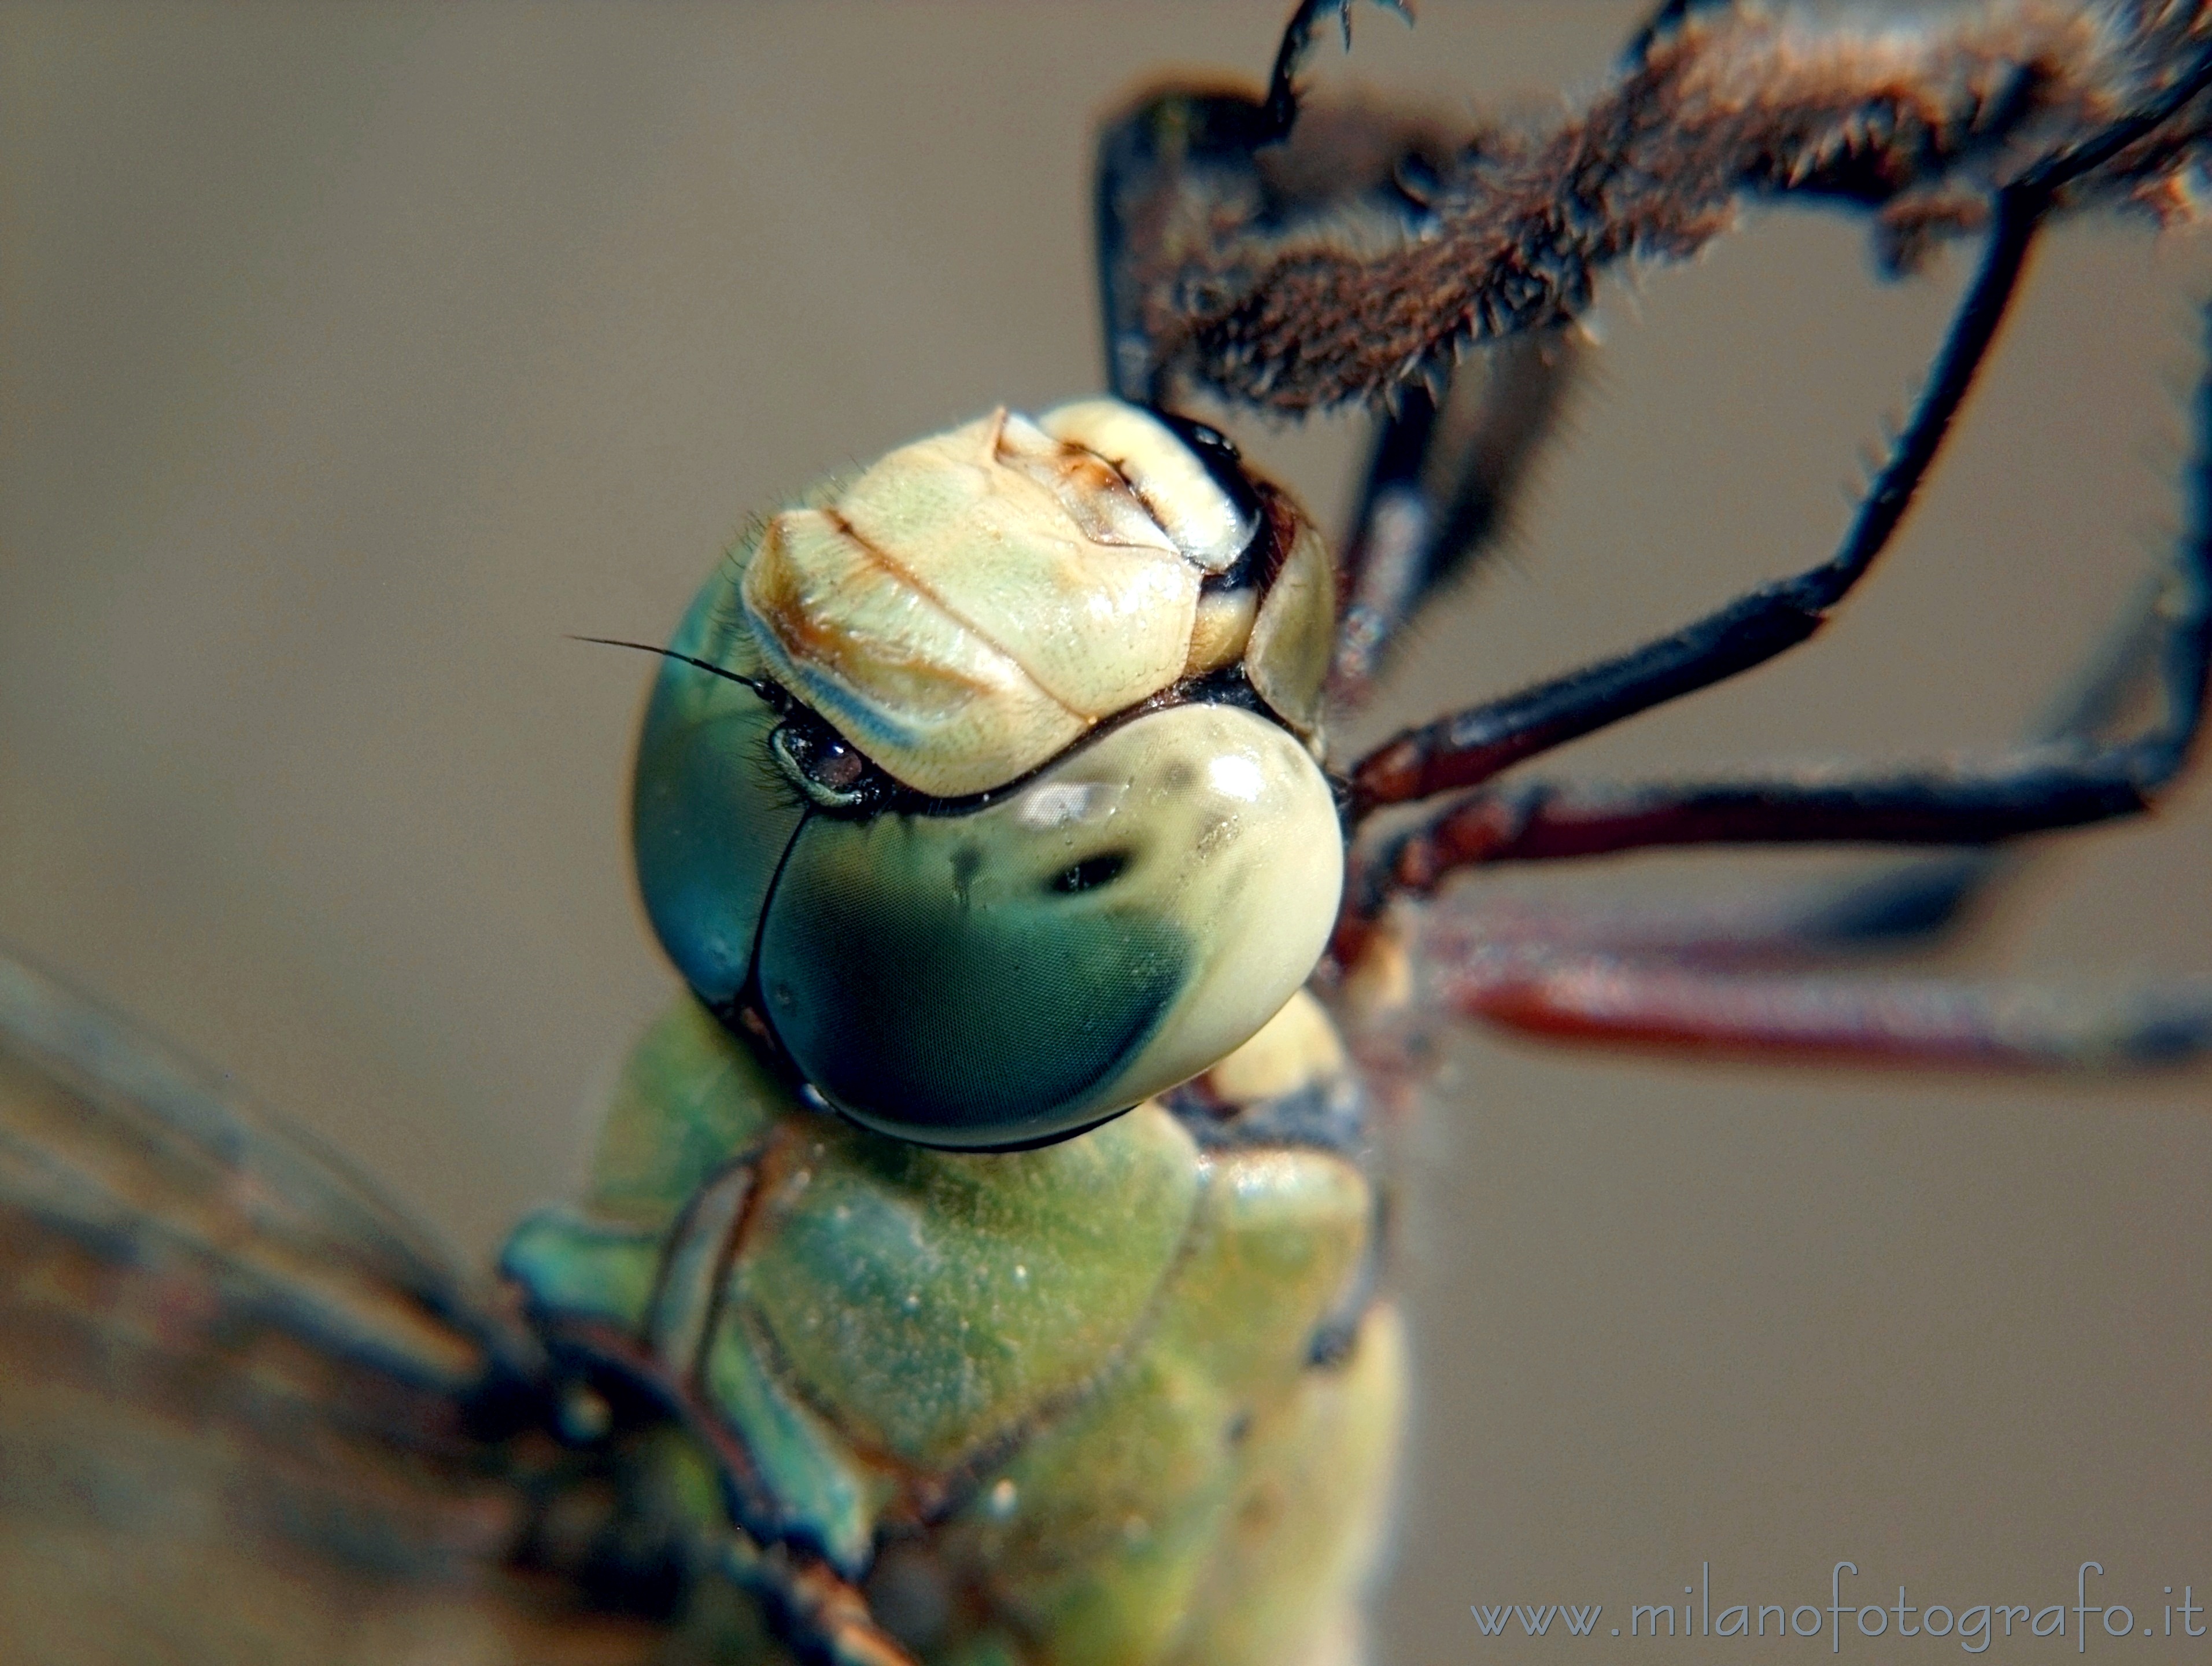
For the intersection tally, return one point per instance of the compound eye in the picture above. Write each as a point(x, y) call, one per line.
point(712, 812)
point(1015, 974)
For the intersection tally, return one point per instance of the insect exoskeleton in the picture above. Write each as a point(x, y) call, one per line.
point(1004, 813)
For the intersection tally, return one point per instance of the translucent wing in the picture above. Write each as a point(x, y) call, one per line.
point(247, 1412)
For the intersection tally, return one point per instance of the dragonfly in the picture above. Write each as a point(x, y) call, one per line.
point(1040, 404)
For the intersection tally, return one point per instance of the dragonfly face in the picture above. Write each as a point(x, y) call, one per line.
point(981, 787)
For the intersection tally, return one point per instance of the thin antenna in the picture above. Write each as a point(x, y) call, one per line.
point(761, 686)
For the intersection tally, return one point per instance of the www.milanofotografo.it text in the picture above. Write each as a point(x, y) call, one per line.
point(1852, 1617)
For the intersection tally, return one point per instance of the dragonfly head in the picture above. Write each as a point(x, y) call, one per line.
point(1003, 813)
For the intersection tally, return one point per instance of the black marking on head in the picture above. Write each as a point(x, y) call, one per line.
point(967, 863)
point(1091, 874)
point(1276, 521)
point(1218, 454)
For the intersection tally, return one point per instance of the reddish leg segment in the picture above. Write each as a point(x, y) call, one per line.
point(1583, 997)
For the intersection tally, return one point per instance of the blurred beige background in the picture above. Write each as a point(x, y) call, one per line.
point(350, 356)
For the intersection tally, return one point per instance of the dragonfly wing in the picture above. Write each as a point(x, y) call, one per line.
point(247, 1411)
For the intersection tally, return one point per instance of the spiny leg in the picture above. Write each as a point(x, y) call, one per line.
point(1186, 160)
point(1450, 457)
point(1668, 17)
point(1446, 465)
point(1465, 748)
point(1282, 104)
point(2066, 775)
point(1436, 491)
point(1159, 168)
point(1916, 125)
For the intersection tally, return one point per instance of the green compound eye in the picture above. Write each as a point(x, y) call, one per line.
point(1008, 975)
point(711, 814)
point(1018, 973)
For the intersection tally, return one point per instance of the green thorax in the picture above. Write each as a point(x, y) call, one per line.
point(1119, 1399)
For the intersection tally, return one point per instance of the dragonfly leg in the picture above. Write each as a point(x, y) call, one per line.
point(1657, 1003)
point(1681, 980)
point(2066, 775)
point(2031, 791)
point(1465, 748)
point(1440, 486)
point(1281, 105)
point(1925, 123)
point(816, 1610)
point(1666, 18)
point(1447, 463)
point(1186, 163)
